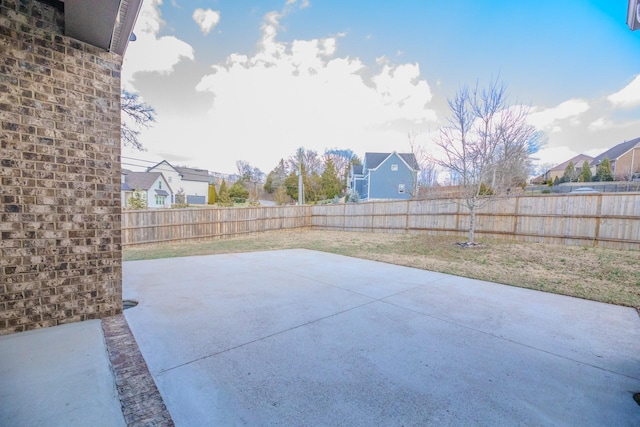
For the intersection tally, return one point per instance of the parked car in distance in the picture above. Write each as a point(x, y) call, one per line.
point(584, 190)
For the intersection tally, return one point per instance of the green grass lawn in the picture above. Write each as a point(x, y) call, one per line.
point(605, 275)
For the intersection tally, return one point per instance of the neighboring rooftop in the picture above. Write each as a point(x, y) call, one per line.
point(578, 161)
point(141, 180)
point(192, 174)
point(373, 160)
point(616, 151)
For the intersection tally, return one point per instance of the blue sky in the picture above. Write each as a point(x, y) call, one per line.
point(253, 80)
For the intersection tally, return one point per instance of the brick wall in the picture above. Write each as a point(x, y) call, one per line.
point(60, 255)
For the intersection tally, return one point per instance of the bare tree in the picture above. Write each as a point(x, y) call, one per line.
point(486, 142)
point(137, 115)
point(516, 142)
point(427, 175)
point(244, 169)
point(250, 177)
point(311, 162)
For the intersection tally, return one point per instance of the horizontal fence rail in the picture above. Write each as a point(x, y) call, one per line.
point(182, 225)
point(609, 220)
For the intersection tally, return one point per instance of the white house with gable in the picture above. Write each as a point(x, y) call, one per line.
point(194, 182)
point(152, 185)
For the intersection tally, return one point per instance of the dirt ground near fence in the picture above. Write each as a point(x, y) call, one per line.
point(605, 275)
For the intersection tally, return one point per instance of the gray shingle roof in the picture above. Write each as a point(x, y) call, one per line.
point(617, 151)
point(192, 174)
point(373, 160)
point(188, 174)
point(141, 180)
point(578, 161)
point(410, 158)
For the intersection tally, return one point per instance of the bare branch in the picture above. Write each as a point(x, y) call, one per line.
point(137, 115)
point(486, 145)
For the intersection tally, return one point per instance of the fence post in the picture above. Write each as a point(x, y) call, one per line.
point(516, 213)
point(344, 216)
point(596, 236)
point(406, 223)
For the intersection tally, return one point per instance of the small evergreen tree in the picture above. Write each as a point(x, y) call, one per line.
point(585, 173)
point(280, 196)
point(181, 200)
point(138, 200)
point(212, 195)
point(275, 178)
point(237, 192)
point(291, 185)
point(570, 174)
point(556, 181)
point(604, 171)
point(224, 200)
point(331, 184)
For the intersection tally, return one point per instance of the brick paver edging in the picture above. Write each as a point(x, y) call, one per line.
point(141, 402)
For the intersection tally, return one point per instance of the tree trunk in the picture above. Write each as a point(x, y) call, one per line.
point(472, 224)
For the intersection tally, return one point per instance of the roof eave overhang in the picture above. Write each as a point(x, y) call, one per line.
point(106, 24)
point(633, 15)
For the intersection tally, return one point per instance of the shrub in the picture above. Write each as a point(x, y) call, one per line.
point(212, 195)
point(237, 191)
point(281, 197)
point(485, 190)
point(138, 200)
point(224, 200)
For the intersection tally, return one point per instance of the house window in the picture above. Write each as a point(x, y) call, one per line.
point(394, 167)
point(401, 188)
point(160, 185)
point(160, 200)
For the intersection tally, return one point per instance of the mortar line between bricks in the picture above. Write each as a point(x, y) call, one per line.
point(140, 400)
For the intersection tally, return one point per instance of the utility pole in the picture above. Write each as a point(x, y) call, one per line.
point(300, 182)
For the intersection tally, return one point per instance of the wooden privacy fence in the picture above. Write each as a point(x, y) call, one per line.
point(607, 220)
point(180, 225)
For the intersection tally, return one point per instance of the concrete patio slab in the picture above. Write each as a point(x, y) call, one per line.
point(299, 337)
point(58, 376)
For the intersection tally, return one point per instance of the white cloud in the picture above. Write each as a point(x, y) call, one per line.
point(549, 119)
point(149, 52)
point(301, 93)
point(628, 96)
point(206, 19)
point(600, 124)
point(554, 155)
point(303, 4)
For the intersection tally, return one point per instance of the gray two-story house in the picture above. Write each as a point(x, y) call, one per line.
point(384, 176)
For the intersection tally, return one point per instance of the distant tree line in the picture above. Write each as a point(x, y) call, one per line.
point(323, 177)
point(571, 174)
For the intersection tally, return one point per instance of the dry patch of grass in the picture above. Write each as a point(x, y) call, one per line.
point(604, 275)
